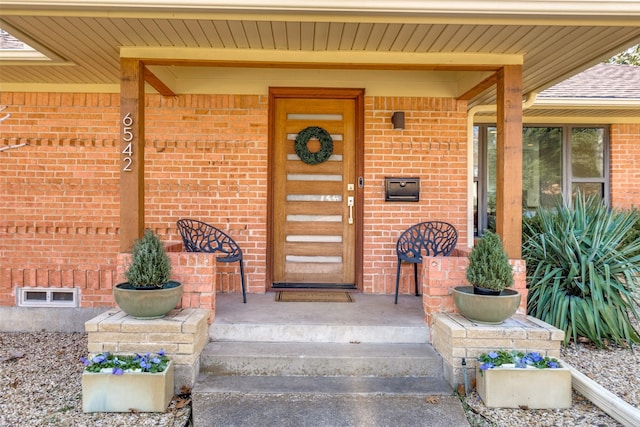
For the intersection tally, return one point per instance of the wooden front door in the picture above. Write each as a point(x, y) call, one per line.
point(315, 189)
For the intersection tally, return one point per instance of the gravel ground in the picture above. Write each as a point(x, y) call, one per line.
point(616, 369)
point(40, 379)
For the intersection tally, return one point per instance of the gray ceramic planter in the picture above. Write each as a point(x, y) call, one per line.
point(488, 309)
point(148, 303)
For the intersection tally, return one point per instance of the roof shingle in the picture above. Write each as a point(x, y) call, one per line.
point(609, 81)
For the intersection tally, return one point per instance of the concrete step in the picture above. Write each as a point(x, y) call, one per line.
point(284, 332)
point(323, 384)
point(367, 363)
point(324, 401)
point(320, 385)
point(320, 359)
point(292, 410)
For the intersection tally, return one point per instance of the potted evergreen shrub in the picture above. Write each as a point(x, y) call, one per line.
point(148, 292)
point(488, 300)
point(489, 270)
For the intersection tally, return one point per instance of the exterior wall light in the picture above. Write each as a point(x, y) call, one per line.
point(398, 120)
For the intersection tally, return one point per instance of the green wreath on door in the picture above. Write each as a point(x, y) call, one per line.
point(326, 145)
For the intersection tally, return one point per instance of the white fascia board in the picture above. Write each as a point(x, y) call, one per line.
point(623, 8)
point(564, 103)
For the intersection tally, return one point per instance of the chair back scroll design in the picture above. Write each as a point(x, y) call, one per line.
point(198, 236)
point(430, 238)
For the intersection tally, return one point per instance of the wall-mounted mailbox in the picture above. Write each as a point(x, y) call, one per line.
point(402, 189)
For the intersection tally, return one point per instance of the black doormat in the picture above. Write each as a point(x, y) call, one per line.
point(307, 285)
point(313, 296)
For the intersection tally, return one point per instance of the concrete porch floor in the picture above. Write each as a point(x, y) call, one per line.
point(367, 310)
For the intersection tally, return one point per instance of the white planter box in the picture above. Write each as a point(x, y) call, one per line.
point(143, 392)
point(531, 388)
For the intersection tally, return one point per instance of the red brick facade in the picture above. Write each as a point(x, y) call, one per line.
point(625, 173)
point(206, 158)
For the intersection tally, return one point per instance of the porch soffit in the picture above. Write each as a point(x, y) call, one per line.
point(553, 39)
point(535, 8)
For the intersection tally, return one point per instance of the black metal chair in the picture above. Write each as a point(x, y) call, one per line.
point(434, 238)
point(199, 236)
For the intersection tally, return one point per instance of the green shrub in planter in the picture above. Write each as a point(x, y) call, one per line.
point(150, 265)
point(583, 272)
point(148, 293)
point(489, 266)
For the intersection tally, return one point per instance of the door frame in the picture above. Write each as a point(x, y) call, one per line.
point(320, 93)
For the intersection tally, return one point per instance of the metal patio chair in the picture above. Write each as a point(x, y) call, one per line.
point(434, 238)
point(199, 236)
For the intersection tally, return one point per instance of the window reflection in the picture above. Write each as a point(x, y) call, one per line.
point(557, 162)
point(587, 159)
point(587, 189)
point(541, 168)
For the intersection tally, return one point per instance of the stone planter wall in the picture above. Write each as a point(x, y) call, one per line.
point(457, 338)
point(182, 334)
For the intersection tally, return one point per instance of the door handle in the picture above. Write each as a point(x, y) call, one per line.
point(350, 200)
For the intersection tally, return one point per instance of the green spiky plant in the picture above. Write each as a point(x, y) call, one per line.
point(489, 266)
point(150, 265)
point(583, 272)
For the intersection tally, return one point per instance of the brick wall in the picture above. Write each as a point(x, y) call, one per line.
point(433, 147)
point(625, 158)
point(59, 194)
point(206, 158)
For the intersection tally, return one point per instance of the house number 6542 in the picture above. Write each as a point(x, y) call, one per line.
point(127, 136)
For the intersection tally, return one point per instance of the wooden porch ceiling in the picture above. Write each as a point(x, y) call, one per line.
point(88, 40)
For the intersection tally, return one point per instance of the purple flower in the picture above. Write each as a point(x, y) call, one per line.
point(553, 364)
point(486, 366)
point(161, 353)
point(535, 357)
point(493, 355)
point(119, 365)
point(99, 358)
